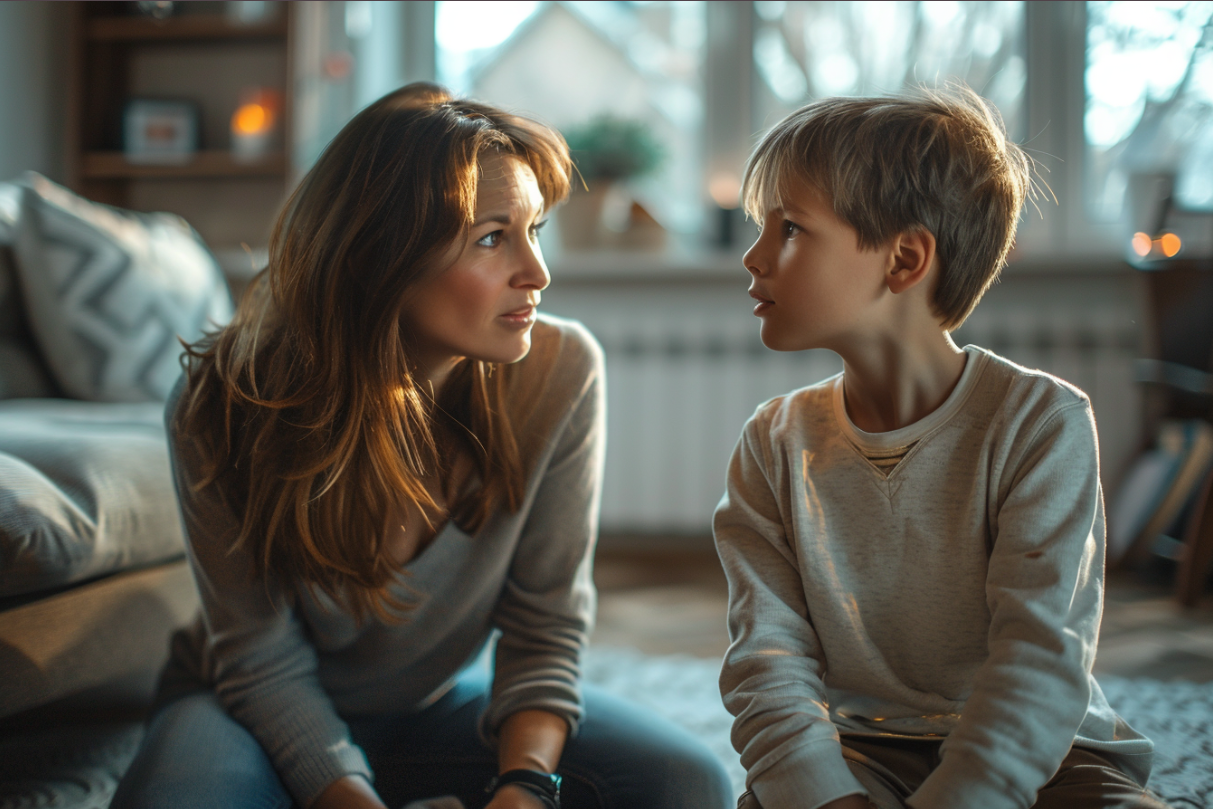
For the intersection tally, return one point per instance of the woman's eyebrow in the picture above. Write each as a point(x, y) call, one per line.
point(500, 218)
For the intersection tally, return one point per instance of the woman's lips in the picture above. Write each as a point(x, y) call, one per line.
point(520, 317)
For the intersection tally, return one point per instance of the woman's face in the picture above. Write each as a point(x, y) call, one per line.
point(483, 306)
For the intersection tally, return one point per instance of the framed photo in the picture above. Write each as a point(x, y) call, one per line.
point(160, 132)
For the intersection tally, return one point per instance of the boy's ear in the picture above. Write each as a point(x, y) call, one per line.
point(913, 255)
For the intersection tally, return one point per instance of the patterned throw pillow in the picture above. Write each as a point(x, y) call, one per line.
point(108, 292)
point(22, 372)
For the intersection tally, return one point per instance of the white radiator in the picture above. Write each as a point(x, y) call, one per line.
point(686, 369)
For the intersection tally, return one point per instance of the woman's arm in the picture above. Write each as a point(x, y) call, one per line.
point(529, 740)
point(546, 608)
point(261, 664)
point(348, 792)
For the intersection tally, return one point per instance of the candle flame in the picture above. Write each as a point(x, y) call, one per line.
point(251, 119)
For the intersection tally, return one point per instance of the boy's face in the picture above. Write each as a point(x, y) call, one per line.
point(814, 286)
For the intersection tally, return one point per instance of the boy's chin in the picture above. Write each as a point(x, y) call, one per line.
point(778, 341)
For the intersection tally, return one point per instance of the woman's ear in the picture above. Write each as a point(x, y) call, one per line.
point(913, 256)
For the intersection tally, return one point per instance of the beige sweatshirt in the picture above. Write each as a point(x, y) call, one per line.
point(960, 596)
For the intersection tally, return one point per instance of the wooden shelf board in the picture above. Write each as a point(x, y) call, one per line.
point(215, 163)
point(201, 27)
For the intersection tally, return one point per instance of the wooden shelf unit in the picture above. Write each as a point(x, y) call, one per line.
point(214, 163)
point(198, 55)
point(212, 27)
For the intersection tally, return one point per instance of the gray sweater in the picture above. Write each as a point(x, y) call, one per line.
point(958, 597)
point(289, 666)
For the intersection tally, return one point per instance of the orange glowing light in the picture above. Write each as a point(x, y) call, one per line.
point(1142, 244)
point(1170, 244)
point(251, 119)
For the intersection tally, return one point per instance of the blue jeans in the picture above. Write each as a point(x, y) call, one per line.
point(197, 757)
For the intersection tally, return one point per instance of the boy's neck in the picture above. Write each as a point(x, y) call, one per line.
point(895, 380)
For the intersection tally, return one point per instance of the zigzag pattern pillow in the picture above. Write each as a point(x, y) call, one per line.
point(108, 292)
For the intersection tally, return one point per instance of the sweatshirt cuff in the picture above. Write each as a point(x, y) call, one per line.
point(309, 775)
point(963, 781)
point(806, 779)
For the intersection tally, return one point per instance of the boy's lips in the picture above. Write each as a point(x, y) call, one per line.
point(764, 303)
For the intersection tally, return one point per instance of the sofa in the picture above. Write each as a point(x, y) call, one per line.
point(93, 577)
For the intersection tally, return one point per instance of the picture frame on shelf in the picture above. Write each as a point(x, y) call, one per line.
point(160, 131)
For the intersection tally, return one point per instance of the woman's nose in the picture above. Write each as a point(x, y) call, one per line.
point(533, 274)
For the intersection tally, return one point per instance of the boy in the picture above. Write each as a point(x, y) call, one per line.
point(914, 547)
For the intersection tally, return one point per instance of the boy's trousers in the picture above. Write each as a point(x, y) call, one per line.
point(891, 769)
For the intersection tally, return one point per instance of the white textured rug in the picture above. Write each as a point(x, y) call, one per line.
point(79, 768)
point(1177, 716)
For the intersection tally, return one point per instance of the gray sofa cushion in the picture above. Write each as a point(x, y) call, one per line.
point(108, 292)
point(85, 490)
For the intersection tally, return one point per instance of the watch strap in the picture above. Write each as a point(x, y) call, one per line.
point(544, 785)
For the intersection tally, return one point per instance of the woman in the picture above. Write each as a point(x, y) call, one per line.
point(383, 460)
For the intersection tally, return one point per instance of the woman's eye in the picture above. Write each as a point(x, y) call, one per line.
point(535, 228)
point(490, 239)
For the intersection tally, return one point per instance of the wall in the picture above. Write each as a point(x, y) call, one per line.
point(33, 94)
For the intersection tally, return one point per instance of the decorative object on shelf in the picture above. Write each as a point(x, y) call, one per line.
point(249, 12)
point(160, 132)
point(254, 124)
point(725, 191)
point(608, 151)
point(156, 9)
point(1161, 230)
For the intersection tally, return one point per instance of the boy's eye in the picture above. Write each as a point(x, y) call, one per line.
point(490, 239)
point(789, 229)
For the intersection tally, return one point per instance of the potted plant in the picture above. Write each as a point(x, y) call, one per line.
point(606, 151)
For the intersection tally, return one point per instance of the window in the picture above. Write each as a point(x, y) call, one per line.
point(568, 62)
point(1149, 84)
point(807, 50)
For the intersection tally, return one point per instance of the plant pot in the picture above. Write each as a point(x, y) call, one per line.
point(580, 218)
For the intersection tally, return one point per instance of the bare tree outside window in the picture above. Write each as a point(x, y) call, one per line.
point(1149, 82)
point(807, 50)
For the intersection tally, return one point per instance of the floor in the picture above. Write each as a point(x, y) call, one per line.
point(675, 602)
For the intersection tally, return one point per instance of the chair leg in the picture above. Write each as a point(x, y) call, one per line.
point(1197, 558)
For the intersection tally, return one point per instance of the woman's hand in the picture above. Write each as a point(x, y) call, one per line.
point(348, 792)
point(512, 796)
point(849, 802)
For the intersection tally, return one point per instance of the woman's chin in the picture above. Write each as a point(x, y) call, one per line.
point(505, 354)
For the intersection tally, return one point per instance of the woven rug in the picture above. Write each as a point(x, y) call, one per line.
point(1178, 716)
point(79, 768)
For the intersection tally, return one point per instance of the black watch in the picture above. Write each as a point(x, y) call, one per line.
point(545, 785)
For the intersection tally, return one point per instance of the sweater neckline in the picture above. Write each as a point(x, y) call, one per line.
point(975, 361)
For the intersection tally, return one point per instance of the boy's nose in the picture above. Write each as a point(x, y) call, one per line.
point(753, 260)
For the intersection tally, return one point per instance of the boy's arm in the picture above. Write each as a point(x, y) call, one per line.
point(1044, 588)
point(771, 679)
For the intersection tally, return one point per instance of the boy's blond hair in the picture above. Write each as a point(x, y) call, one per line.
point(935, 161)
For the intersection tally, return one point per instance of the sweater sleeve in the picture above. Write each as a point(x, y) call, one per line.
point(772, 677)
point(264, 667)
point(1044, 589)
point(546, 609)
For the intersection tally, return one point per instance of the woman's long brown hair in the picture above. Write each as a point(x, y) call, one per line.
point(305, 407)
